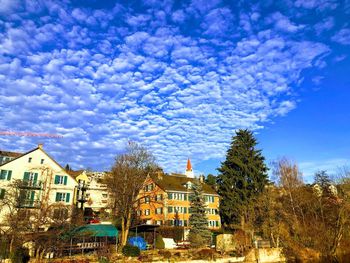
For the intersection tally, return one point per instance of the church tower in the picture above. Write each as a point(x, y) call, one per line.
point(189, 172)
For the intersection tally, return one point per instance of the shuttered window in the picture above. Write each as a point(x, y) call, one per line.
point(61, 179)
point(5, 175)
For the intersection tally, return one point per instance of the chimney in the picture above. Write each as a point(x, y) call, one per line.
point(159, 175)
point(40, 146)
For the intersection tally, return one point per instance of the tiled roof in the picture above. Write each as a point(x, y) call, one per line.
point(74, 174)
point(177, 182)
point(10, 154)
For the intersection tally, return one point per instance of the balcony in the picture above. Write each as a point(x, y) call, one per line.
point(24, 184)
point(28, 203)
point(81, 199)
point(82, 186)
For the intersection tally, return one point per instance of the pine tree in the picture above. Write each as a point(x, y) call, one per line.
point(242, 178)
point(199, 233)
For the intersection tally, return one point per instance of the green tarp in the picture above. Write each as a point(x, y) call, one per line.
point(98, 230)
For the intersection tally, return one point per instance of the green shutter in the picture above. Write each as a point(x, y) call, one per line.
point(35, 178)
point(3, 174)
point(65, 180)
point(58, 196)
point(170, 196)
point(9, 173)
point(170, 209)
point(67, 197)
point(2, 193)
point(32, 195)
point(26, 176)
point(57, 179)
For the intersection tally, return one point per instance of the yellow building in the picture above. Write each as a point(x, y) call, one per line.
point(165, 200)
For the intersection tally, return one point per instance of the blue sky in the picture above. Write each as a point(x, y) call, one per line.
point(178, 77)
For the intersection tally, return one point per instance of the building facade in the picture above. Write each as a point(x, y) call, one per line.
point(165, 200)
point(40, 182)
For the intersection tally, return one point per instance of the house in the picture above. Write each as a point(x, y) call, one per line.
point(39, 180)
point(165, 199)
point(91, 192)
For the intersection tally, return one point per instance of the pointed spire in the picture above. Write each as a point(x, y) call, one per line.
point(189, 165)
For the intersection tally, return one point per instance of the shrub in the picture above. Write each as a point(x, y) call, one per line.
point(197, 240)
point(160, 242)
point(206, 253)
point(20, 255)
point(130, 251)
point(166, 254)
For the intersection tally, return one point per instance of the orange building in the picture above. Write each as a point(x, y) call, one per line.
point(165, 199)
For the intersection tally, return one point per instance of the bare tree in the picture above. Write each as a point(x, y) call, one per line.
point(16, 221)
point(125, 181)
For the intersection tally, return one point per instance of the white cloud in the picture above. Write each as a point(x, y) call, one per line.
point(124, 76)
point(342, 37)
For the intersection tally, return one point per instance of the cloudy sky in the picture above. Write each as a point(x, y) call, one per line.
point(178, 77)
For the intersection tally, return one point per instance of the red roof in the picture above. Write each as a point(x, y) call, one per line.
point(189, 165)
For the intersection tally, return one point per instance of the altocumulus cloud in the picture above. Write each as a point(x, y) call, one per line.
point(179, 77)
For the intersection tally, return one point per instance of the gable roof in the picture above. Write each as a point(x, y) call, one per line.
point(75, 174)
point(41, 149)
point(177, 182)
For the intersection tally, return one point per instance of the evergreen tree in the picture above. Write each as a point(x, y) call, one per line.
point(242, 177)
point(211, 179)
point(322, 179)
point(199, 233)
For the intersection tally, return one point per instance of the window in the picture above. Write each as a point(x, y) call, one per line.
point(29, 159)
point(104, 195)
point(2, 193)
point(5, 174)
point(159, 210)
point(139, 212)
point(147, 212)
point(209, 198)
point(185, 222)
point(149, 187)
point(41, 161)
point(177, 196)
point(60, 179)
point(63, 197)
point(170, 209)
point(159, 197)
point(147, 199)
point(159, 222)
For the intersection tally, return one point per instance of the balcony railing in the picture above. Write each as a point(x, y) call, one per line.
point(30, 184)
point(28, 203)
point(82, 186)
point(81, 199)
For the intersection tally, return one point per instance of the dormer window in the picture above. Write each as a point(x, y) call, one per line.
point(29, 159)
point(188, 185)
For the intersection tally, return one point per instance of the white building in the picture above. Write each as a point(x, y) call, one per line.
point(40, 181)
point(91, 192)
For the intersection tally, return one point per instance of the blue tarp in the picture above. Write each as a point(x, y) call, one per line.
point(138, 242)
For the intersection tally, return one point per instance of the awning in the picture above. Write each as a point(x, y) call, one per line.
point(98, 230)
